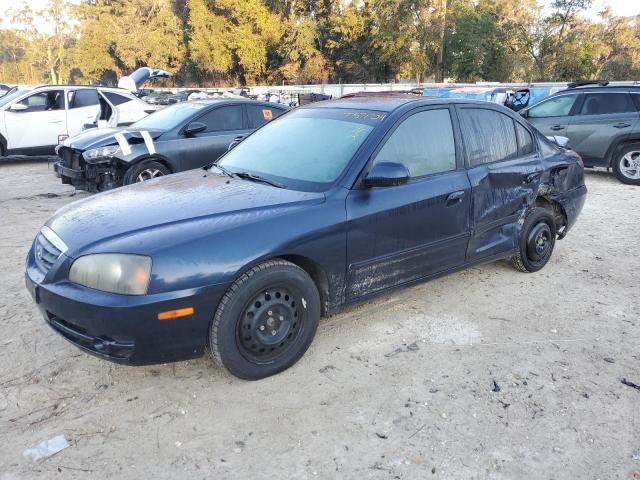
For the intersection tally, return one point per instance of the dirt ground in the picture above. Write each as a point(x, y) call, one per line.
point(487, 373)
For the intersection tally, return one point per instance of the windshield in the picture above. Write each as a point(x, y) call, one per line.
point(169, 117)
point(306, 149)
point(9, 97)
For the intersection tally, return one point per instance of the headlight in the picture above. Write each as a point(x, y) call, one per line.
point(108, 151)
point(113, 272)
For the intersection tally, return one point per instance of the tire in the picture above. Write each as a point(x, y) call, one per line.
point(537, 239)
point(622, 166)
point(3, 147)
point(145, 170)
point(265, 321)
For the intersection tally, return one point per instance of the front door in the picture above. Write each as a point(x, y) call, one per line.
point(504, 169)
point(600, 117)
point(406, 232)
point(40, 125)
point(224, 124)
point(552, 116)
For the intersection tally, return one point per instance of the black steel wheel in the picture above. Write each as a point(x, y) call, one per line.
point(537, 240)
point(266, 320)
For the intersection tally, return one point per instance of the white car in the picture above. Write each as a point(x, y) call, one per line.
point(33, 121)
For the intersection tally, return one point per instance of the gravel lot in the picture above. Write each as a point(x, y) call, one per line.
point(487, 373)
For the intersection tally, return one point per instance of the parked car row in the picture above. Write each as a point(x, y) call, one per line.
point(325, 206)
point(177, 138)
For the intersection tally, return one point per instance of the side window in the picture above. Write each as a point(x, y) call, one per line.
point(423, 143)
point(606, 103)
point(115, 98)
point(488, 135)
point(259, 114)
point(87, 97)
point(525, 140)
point(44, 101)
point(554, 107)
point(223, 118)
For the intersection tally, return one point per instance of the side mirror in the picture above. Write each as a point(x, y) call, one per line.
point(386, 174)
point(194, 127)
point(18, 107)
point(559, 140)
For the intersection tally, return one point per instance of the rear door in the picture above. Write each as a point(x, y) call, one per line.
point(84, 108)
point(599, 119)
point(504, 170)
point(42, 124)
point(552, 116)
point(129, 108)
point(258, 115)
point(406, 232)
point(224, 124)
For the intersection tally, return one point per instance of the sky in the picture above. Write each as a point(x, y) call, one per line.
point(619, 7)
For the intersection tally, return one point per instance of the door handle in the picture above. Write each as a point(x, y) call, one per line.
point(621, 125)
point(532, 177)
point(455, 198)
point(555, 128)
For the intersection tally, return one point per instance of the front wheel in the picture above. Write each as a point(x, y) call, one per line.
point(626, 164)
point(266, 320)
point(143, 171)
point(537, 239)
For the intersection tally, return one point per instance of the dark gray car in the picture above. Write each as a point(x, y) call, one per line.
point(177, 138)
point(602, 124)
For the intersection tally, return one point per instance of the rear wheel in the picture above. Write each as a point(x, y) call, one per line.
point(266, 320)
point(626, 164)
point(143, 171)
point(3, 147)
point(537, 239)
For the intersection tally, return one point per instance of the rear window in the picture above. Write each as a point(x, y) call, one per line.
point(116, 99)
point(489, 136)
point(606, 103)
point(83, 98)
point(261, 114)
point(223, 118)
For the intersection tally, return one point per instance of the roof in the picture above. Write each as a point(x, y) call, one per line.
point(602, 88)
point(388, 104)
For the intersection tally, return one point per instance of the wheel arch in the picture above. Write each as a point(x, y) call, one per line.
point(317, 274)
point(617, 145)
point(558, 211)
point(153, 158)
point(3, 146)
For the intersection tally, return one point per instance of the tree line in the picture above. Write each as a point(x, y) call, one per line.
point(247, 42)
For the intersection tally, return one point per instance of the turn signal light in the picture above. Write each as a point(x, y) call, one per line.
point(171, 314)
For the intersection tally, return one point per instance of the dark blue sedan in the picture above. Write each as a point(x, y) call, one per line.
point(323, 207)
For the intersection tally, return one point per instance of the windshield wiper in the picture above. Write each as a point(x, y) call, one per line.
point(222, 169)
point(257, 178)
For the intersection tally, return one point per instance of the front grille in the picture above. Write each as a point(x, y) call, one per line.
point(45, 252)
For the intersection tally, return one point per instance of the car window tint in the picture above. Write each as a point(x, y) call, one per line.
point(83, 98)
point(606, 103)
point(223, 118)
point(553, 107)
point(116, 99)
point(45, 101)
point(489, 136)
point(261, 114)
point(525, 140)
point(423, 143)
point(636, 100)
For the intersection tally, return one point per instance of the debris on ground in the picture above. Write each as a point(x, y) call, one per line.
point(46, 448)
point(609, 360)
point(626, 382)
point(496, 387)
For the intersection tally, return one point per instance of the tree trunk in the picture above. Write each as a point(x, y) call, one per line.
point(440, 57)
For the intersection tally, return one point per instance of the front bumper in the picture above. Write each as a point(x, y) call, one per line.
point(72, 169)
point(122, 328)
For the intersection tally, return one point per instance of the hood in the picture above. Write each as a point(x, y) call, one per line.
point(101, 137)
point(136, 79)
point(194, 203)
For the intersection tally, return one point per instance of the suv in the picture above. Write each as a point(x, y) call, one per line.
point(33, 121)
point(602, 123)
